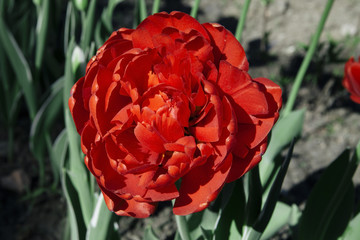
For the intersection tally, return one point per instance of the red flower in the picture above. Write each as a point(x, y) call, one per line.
point(170, 101)
point(351, 79)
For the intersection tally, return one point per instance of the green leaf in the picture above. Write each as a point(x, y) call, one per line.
point(41, 33)
point(156, 6)
point(142, 10)
point(342, 215)
point(107, 14)
point(75, 218)
point(60, 147)
point(101, 224)
point(282, 216)
point(326, 198)
point(254, 196)
point(20, 66)
point(81, 5)
point(205, 219)
point(149, 234)
point(69, 29)
point(353, 230)
point(207, 233)
point(88, 26)
point(258, 228)
point(45, 118)
point(77, 170)
point(285, 130)
point(231, 212)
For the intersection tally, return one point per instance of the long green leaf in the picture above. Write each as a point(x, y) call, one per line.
point(142, 10)
point(233, 212)
point(353, 230)
point(41, 33)
point(254, 198)
point(77, 225)
point(88, 26)
point(149, 234)
point(326, 197)
point(261, 223)
point(101, 224)
point(156, 6)
point(284, 131)
point(78, 173)
point(45, 117)
point(20, 66)
point(283, 215)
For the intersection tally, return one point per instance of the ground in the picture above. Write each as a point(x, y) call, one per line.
point(332, 121)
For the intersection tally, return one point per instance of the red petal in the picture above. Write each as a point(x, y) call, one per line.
point(76, 105)
point(209, 129)
point(130, 207)
point(162, 194)
point(242, 89)
point(226, 46)
point(201, 186)
point(153, 25)
point(242, 165)
point(149, 138)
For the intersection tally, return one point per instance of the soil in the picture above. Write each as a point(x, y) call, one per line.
point(274, 37)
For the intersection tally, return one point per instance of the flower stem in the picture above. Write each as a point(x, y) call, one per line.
point(241, 22)
point(305, 64)
point(195, 8)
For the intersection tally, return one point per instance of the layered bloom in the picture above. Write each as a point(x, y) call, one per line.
point(351, 79)
point(169, 111)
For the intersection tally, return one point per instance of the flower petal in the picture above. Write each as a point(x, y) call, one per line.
point(242, 165)
point(201, 186)
point(131, 207)
point(227, 47)
point(76, 105)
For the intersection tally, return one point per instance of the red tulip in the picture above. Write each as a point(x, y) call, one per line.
point(351, 79)
point(168, 111)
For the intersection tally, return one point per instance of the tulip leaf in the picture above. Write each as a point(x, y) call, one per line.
point(156, 6)
point(45, 117)
point(101, 224)
point(20, 66)
point(204, 219)
point(60, 147)
point(327, 198)
point(283, 215)
point(41, 33)
point(77, 170)
point(262, 221)
point(88, 26)
point(207, 233)
point(285, 130)
point(233, 212)
point(149, 234)
point(352, 230)
point(342, 215)
point(253, 190)
point(76, 221)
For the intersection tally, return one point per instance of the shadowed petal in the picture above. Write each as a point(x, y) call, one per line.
point(129, 207)
point(242, 165)
point(76, 105)
point(201, 186)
